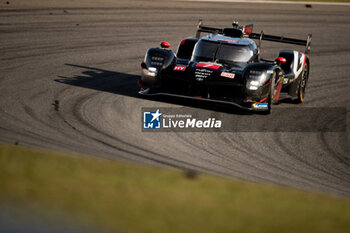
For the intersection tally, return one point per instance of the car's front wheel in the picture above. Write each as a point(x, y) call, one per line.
point(269, 102)
point(270, 97)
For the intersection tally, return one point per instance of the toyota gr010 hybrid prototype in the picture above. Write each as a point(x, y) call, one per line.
point(225, 66)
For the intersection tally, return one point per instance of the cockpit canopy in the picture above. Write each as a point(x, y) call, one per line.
point(221, 51)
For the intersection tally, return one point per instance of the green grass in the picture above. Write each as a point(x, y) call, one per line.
point(136, 198)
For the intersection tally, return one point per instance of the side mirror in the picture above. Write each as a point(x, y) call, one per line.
point(280, 60)
point(164, 45)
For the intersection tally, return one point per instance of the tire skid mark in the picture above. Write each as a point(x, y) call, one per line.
point(330, 183)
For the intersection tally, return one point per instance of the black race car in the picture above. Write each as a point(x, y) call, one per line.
point(225, 66)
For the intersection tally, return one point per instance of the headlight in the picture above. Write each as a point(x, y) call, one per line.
point(151, 71)
point(157, 61)
point(255, 79)
point(253, 85)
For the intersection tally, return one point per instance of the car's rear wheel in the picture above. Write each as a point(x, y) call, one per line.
point(302, 85)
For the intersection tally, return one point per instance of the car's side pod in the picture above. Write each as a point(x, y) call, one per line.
point(293, 69)
point(156, 59)
point(295, 61)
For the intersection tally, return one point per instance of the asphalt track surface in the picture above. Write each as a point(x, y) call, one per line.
point(68, 76)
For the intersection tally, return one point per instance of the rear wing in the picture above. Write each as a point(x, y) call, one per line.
point(247, 31)
point(282, 39)
point(201, 29)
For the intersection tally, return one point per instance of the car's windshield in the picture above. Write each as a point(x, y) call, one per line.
point(221, 52)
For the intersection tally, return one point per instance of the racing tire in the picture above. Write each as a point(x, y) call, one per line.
point(302, 85)
point(270, 98)
point(269, 103)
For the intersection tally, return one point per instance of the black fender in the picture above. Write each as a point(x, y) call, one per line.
point(156, 60)
point(269, 78)
point(185, 49)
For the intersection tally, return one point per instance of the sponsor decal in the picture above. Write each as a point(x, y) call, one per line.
point(209, 66)
point(226, 40)
point(260, 105)
point(201, 74)
point(152, 120)
point(180, 68)
point(227, 75)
